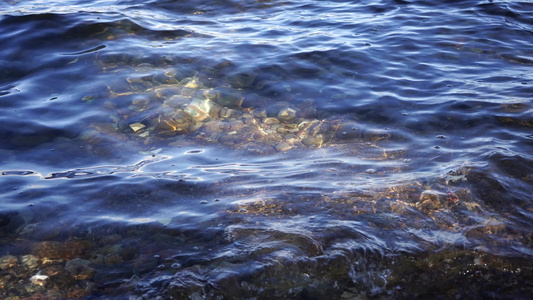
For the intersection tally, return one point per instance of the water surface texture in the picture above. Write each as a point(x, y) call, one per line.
point(248, 149)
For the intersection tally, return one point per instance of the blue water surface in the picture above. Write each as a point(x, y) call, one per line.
point(409, 173)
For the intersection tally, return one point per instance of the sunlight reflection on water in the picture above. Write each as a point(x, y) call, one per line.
point(265, 149)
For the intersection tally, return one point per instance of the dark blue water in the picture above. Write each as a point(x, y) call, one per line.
point(266, 149)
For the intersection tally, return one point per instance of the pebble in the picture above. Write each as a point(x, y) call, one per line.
point(270, 121)
point(282, 147)
point(137, 126)
point(38, 279)
point(312, 141)
point(177, 101)
point(79, 268)
point(8, 261)
point(289, 136)
point(140, 102)
point(30, 261)
point(113, 259)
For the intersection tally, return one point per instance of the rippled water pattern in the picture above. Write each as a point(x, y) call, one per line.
point(359, 149)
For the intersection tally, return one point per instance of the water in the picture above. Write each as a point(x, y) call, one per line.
point(359, 149)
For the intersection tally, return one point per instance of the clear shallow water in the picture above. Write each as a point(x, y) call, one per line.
point(432, 199)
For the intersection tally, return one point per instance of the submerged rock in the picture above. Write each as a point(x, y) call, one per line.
point(80, 269)
point(170, 101)
point(8, 261)
point(352, 131)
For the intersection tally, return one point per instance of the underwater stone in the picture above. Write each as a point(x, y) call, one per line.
point(38, 279)
point(199, 109)
point(349, 131)
point(282, 147)
point(287, 114)
point(137, 126)
point(188, 91)
point(312, 141)
point(172, 125)
point(228, 97)
point(160, 78)
point(168, 90)
point(270, 121)
point(79, 268)
point(228, 113)
point(30, 262)
point(177, 101)
point(8, 261)
point(140, 101)
point(242, 80)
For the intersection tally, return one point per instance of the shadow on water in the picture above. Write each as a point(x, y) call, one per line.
point(266, 149)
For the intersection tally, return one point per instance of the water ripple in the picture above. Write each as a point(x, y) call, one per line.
point(423, 174)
